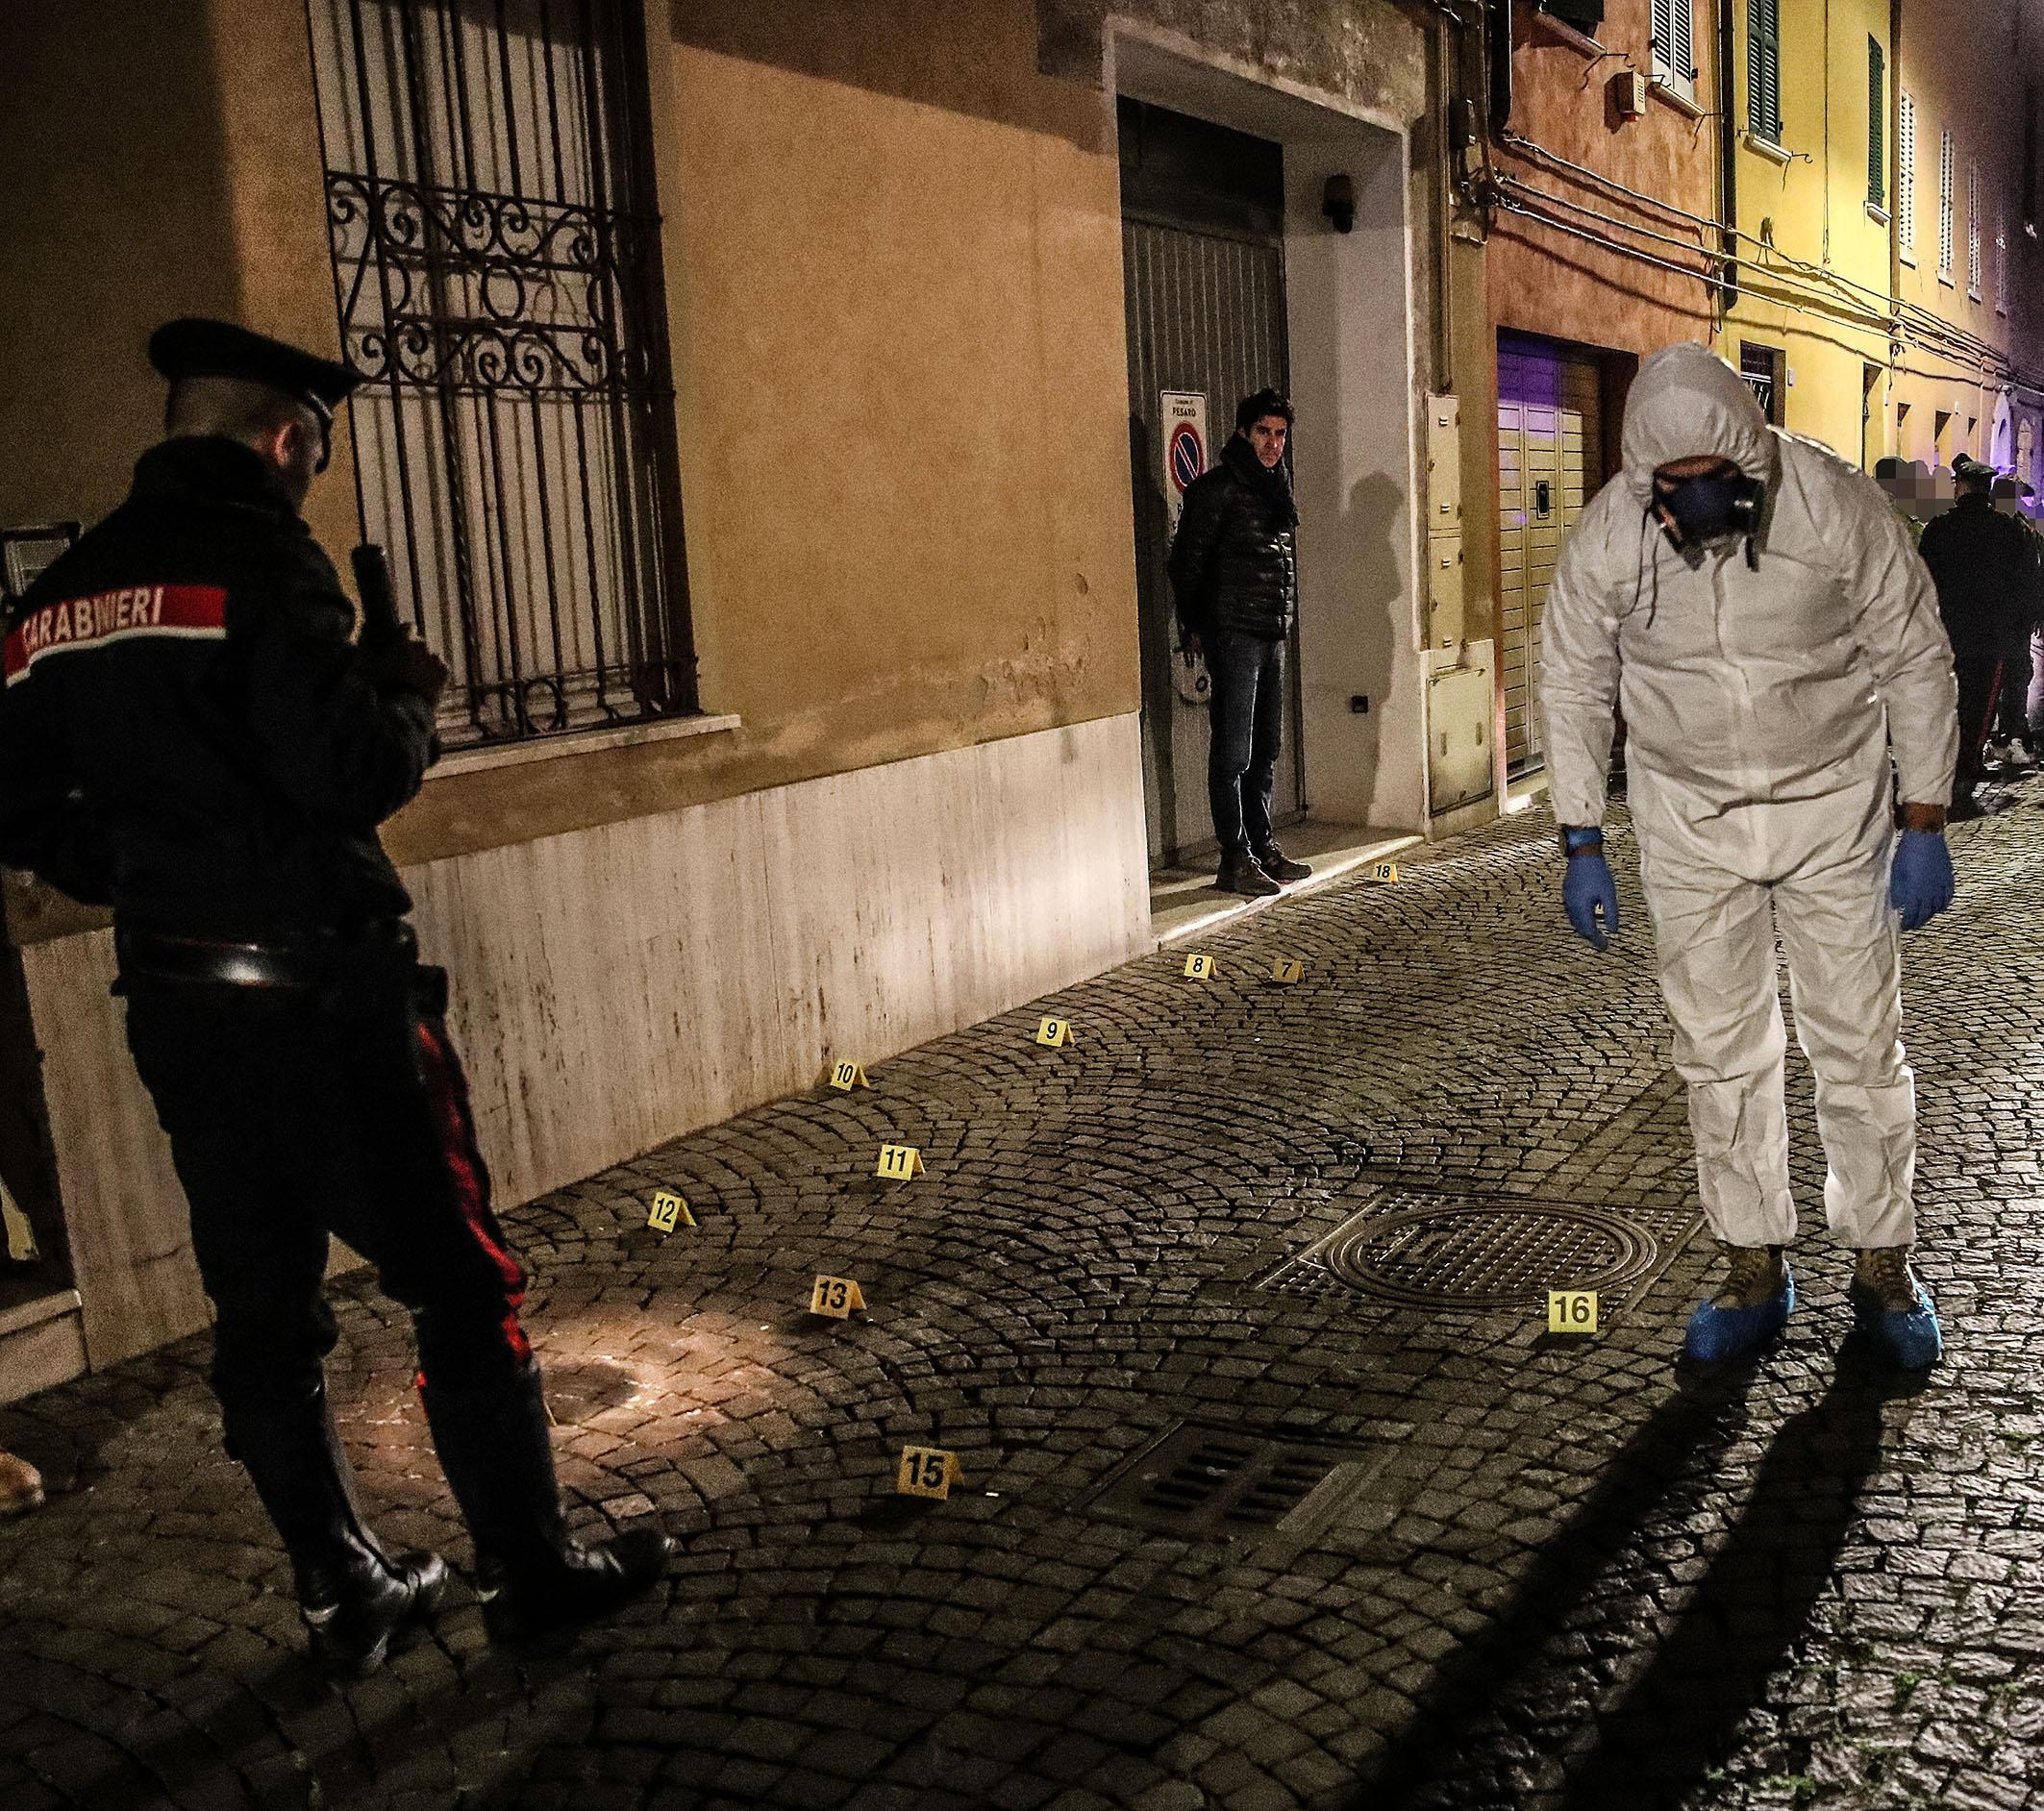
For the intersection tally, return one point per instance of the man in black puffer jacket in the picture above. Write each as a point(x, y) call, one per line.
point(1234, 576)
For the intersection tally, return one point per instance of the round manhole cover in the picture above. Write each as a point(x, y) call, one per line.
point(1487, 1254)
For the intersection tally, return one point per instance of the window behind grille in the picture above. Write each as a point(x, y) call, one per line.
point(495, 263)
point(1763, 69)
point(1763, 368)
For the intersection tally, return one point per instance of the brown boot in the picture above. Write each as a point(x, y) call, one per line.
point(1754, 1277)
point(20, 1486)
point(1749, 1308)
point(1893, 1308)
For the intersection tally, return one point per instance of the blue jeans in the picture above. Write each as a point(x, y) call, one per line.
point(1247, 712)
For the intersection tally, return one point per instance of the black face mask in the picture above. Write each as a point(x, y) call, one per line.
point(1713, 505)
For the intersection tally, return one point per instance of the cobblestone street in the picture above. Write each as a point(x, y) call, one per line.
point(1488, 1566)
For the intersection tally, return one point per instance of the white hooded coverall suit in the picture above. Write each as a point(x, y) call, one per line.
point(1761, 706)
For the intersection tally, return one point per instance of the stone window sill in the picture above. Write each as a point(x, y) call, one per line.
point(477, 760)
point(1562, 33)
point(1669, 95)
point(1768, 149)
point(1880, 216)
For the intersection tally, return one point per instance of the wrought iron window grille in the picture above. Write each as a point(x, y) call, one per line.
point(496, 266)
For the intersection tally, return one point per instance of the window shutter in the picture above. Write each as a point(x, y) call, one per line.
point(1972, 227)
point(1673, 49)
point(1944, 206)
point(1756, 68)
point(1876, 124)
point(1763, 69)
point(1905, 176)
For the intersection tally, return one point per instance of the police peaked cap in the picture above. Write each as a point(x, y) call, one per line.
point(195, 347)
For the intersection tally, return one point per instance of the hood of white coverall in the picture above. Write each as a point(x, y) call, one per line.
point(1687, 403)
point(1761, 699)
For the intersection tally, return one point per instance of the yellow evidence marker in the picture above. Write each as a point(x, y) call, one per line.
point(1287, 973)
point(836, 1297)
point(899, 1163)
point(1200, 967)
point(928, 1471)
point(1386, 871)
point(670, 1210)
point(1571, 1310)
point(1054, 1032)
point(845, 1077)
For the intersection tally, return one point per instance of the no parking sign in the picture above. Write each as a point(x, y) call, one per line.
point(1184, 438)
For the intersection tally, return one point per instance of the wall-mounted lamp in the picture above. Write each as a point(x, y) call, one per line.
point(1337, 202)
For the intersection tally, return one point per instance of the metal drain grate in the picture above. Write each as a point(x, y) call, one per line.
point(1482, 1253)
point(1200, 1482)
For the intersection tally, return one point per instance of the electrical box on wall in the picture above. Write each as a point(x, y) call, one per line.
point(1443, 554)
point(1444, 590)
point(1444, 466)
point(1628, 93)
point(1458, 716)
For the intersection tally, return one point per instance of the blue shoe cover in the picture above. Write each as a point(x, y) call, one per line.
point(1912, 1341)
point(1718, 1335)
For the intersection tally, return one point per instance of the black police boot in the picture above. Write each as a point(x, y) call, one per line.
point(354, 1597)
point(533, 1578)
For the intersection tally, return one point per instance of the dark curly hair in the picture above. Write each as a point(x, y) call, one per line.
point(1252, 409)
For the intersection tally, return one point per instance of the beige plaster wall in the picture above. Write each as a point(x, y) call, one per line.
point(894, 266)
point(897, 266)
point(162, 157)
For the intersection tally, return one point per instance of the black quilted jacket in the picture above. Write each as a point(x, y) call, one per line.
point(1233, 560)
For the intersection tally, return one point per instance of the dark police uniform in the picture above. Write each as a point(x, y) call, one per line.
point(190, 735)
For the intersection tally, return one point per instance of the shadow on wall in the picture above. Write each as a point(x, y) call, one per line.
point(1153, 615)
point(979, 61)
point(1588, 1689)
point(1370, 555)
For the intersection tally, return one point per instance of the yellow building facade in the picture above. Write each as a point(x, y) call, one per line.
point(1809, 94)
point(1967, 256)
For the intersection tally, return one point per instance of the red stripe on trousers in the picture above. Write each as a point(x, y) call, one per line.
point(455, 1133)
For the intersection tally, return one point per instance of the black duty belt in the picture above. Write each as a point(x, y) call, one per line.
point(159, 955)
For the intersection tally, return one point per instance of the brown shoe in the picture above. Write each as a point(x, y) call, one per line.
point(20, 1486)
point(1241, 873)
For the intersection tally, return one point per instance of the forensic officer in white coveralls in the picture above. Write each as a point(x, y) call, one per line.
point(1754, 607)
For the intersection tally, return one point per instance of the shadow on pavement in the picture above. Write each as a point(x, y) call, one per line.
point(1681, 1715)
point(1533, 1695)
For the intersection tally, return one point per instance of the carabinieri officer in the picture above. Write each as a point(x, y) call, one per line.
point(189, 734)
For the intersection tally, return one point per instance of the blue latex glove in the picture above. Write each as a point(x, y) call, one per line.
point(1922, 884)
point(1586, 889)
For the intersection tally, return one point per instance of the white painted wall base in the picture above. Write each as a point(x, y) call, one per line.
point(620, 987)
point(42, 1345)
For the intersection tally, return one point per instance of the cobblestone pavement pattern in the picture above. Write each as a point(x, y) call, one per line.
point(1552, 1573)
